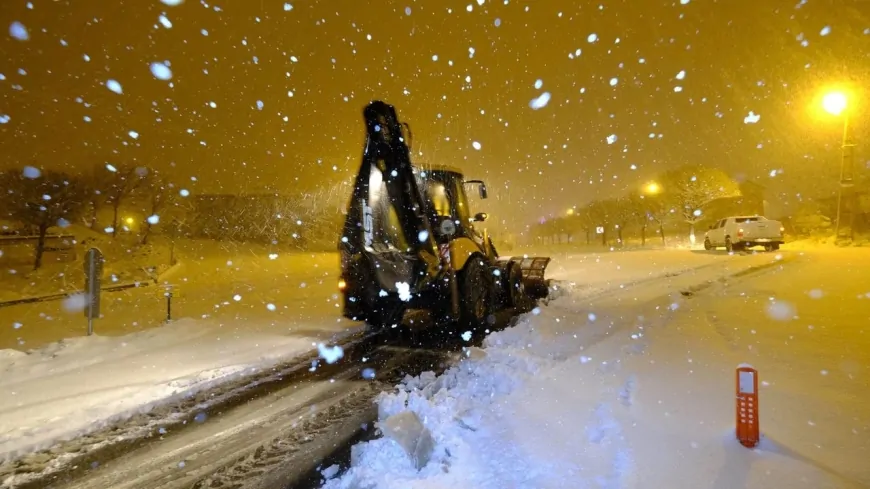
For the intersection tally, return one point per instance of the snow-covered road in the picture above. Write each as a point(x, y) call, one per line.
point(64, 390)
point(635, 389)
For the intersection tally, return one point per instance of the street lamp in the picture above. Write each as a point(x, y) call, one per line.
point(652, 188)
point(837, 104)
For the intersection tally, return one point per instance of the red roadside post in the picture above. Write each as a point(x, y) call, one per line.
point(747, 406)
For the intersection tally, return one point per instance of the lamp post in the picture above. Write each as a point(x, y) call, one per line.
point(836, 104)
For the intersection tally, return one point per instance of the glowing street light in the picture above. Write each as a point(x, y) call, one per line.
point(652, 188)
point(129, 220)
point(571, 212)
point(835, 103)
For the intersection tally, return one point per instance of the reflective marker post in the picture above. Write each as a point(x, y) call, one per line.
point(747, 406)
point(169, 291)
point(93, 278)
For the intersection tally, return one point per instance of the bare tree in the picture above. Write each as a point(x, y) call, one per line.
point(693, 188)
point(115, 185)
point(44, 201)
point(599, 212)
point(585, 222)
point(158, 195)
point(655, 209)
point(622, 212)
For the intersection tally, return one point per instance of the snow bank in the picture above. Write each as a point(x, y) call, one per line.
point(506, 418)
point(610, 397)
point(79, 385)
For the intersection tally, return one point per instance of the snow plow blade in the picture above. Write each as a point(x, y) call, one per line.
point(532, 269)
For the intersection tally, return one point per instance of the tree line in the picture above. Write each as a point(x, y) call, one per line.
point(681, 195)
point(39, 200)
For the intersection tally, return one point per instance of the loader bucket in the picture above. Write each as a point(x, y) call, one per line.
point(532, 269)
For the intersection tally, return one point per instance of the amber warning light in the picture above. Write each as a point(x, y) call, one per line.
point(747, 406)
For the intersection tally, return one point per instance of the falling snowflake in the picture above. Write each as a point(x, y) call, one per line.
point(825, 30)
point(752, 118)
point(18, 31)
point(330, 354)
point(780, 310)
point(538, 84)
point(114, 86)
point(592, 38)
point(540, 101)
point(466, 336)
point(154, 219)
point(612, 139)
point(475, 145)
point(404, 291)
point(161, 71)
point(75, 302)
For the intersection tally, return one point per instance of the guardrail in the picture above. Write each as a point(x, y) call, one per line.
point(64, 295)
point(108, 288)
point(14, 238)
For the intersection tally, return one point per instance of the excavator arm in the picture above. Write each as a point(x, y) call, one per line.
point(387, 240)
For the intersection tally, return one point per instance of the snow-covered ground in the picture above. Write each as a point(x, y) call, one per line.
point(79, 385)
point(126, 261)
point(68, 388)
point(225, 283)
point(636, 389)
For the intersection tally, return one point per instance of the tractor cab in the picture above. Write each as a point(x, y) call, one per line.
point(445, 190)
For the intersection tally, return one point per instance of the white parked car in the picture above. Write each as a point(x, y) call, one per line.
point(739, 233)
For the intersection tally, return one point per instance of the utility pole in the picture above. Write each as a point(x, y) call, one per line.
point(847, 181)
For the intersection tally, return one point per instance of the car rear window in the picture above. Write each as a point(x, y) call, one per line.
point(747, 219)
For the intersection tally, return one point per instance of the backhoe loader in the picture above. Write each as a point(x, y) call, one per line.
point(409, 241)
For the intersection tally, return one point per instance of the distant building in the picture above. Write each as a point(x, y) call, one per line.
point(751, 201)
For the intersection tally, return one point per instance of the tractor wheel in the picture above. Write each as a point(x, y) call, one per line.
point(729, 246)
point(708, 245)
point(517, 289)
point(475, 290)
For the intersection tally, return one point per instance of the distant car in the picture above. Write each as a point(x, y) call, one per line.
point(742, 232)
